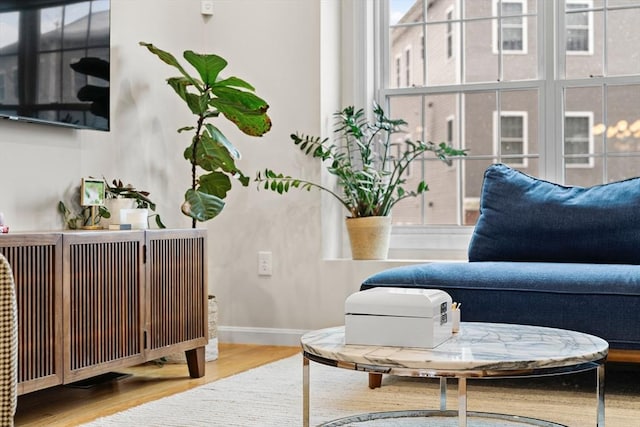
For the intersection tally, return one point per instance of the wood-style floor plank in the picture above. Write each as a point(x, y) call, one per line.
point(67, 406)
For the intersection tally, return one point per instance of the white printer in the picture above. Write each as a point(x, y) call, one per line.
point(402, 317)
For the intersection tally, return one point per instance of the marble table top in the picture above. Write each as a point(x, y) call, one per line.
point(484, 347)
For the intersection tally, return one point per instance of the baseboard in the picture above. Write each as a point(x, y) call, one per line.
point(262, 336)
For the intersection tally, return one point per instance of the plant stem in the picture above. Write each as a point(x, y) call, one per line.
point(194, 150)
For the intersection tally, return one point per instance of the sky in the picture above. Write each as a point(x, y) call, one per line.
point(398, 8)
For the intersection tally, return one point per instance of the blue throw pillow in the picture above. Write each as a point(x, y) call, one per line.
point(527, 219)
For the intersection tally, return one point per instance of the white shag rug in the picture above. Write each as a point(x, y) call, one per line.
point(271, 395)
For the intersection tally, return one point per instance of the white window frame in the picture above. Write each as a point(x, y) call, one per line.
point(590, 153)
point(496, 39)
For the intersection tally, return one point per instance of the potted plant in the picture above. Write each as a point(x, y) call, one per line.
point(120, 196)
point(209, 96)
point(117, 196)
point(371, 180)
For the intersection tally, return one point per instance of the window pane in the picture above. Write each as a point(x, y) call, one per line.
point(481, 63)
point(407, 57)
point(623, 55)
point(523, 66)
point(584, 46)
point(441, 64)
point(619, 168)
point(479, 113)
point(623, 119)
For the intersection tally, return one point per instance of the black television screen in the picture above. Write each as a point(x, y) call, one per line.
point(54, 62)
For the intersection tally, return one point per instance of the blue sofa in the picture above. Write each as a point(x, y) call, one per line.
point(548, 255)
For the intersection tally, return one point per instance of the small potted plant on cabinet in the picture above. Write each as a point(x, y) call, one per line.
point(371, 180)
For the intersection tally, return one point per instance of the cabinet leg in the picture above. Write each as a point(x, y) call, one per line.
point(375, 380)
point(195, 362)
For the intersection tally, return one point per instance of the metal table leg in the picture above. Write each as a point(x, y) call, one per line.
point(462, 402)
point(600, 394)
point(443, 393)
point(305, 392)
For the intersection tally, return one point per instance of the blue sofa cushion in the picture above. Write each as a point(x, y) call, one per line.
point(527, 219)
point(599, 299)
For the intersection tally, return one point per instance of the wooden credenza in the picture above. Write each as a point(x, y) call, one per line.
point(90, 302)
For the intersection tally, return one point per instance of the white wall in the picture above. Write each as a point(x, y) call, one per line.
point(289, 50)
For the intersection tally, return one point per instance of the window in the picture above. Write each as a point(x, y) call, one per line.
point(407, 66)
point(449, 36)
point(511, 137)
point(578, 141)
point(553, 113)
point(578, 24)
point(509, 30)
point(2, 87)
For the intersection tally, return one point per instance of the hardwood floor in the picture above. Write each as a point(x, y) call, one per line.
point(67, 406)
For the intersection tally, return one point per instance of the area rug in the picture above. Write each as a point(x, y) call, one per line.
point(271, 395)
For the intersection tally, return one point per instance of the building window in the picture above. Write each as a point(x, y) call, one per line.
point(407, 66)
point(579, 22)
point(509, 29)
point(578, 140)
point(450, 123)
point(449, 35)
point(398, 71)
point(511, 138)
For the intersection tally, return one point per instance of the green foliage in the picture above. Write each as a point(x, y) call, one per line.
point(118, 190)
point(208, 96)
point(81, 215)
point(372, 181)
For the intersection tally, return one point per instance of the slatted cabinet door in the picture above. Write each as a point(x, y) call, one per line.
point(36, 262)
point(103, 294)
point(176, 291)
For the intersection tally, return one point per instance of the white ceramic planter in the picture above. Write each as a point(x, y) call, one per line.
point(114, 206)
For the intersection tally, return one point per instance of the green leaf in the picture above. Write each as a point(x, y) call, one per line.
point(208, 66)
point(235, 82)
point(201, 206)
point(168, 58)
point(246, 110)
point(218, 136)
point(215, 183)
point(211, 154)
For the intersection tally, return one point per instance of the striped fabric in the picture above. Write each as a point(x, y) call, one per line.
point(8, 345)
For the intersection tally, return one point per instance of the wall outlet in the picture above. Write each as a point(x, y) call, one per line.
point(264, 263)
point(206, 7)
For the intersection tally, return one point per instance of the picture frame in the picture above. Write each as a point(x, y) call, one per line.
point(92, 192)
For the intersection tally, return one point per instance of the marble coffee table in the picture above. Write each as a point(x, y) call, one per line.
point(479, 350)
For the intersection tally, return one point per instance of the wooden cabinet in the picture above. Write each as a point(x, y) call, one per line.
point(90, 302)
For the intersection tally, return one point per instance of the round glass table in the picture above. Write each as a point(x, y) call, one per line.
point(479, 350)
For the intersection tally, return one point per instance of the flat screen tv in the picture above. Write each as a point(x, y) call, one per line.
point(54, 62)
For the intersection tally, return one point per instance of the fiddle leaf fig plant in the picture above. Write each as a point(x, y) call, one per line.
point(371, 179)
point(211, 155)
